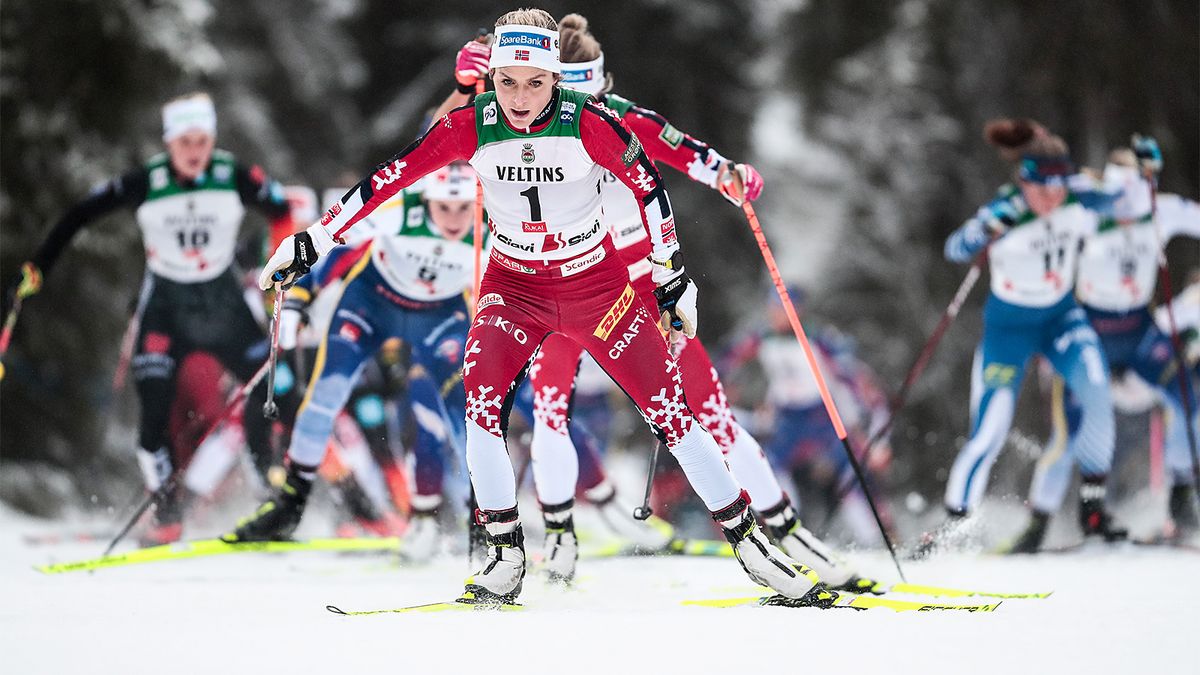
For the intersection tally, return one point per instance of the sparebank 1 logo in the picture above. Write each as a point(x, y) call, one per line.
point(525, 40)
point(572, 76)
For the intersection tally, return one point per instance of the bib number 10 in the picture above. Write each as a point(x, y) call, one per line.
point(194, 239)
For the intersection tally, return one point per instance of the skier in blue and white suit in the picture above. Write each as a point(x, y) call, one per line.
point(1034, 229)
point(1115, 286)
point(409, 285)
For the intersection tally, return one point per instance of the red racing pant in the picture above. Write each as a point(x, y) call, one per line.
point(589, 300)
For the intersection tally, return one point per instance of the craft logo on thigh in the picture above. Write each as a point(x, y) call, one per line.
point(488, 300)
point(627, 336)
point(615, 313)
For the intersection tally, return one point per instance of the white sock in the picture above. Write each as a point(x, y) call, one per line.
point(491, 470)
point(701, 461)
point(752, 470)
point(555, 465)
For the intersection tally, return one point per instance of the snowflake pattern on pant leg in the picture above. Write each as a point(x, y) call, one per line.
point(716, 416)
point(550, 408)
point(472, 349)
point(671, 416)
point(480, 407)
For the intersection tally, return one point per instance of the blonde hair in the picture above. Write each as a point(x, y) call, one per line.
point(528, 16)
point(578, 45)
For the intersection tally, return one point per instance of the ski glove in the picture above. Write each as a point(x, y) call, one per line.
point(677, 304)
point(472, 64)
point(739, 182)
point(156, 466)
point(1148, 154)
point(296, 255)
point(27, 283)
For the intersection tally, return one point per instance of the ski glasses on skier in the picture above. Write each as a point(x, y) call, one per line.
point(1049, 171)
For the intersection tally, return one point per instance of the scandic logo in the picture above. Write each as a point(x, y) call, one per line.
point(580, 264)
point(525, 40)
point(615, 313)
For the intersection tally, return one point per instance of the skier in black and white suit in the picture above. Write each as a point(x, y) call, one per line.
point(189, 203)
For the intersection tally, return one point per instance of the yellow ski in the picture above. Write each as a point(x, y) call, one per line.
point(844, 599)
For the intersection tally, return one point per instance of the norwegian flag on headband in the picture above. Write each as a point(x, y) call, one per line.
point(521, 54)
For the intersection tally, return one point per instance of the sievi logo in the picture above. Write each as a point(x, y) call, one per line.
point(580, 264)
point(615, 313)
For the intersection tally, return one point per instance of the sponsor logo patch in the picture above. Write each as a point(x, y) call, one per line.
point(568, 112)
point(539, 226)
point(509, 263)
point(497, 321)
point(627, 336)
point(671, 136)
point(349, 332)
point(631, 151)
point(580, 264)
point(487, 300)
point(615, 313)
point(516, 39)
point(527, 155)
point(331, 213)
point(489, 114)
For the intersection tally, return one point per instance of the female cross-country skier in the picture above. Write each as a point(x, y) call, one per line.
point(555, 461)
point(189, 203)
point(1032, 232)
point(541, 152)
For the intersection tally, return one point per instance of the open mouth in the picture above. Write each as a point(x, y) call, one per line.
point(520, 114)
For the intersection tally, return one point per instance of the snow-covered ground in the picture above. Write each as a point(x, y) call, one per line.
point(1115, 611)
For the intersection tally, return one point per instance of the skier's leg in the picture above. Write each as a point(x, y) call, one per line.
point(1074, 350)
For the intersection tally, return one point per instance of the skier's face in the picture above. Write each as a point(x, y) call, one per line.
point(1043, 199)
point(523, 92)
point(190, 153)
point(453, 218)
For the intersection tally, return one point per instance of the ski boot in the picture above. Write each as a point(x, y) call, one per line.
point(276, 519)
point(1095, 520)
point(820, 597)
point(648, 536)
point(1182, 506)
point(562, 548)
point(954, 532)
point(166, 523)
point(499, 582)
point(763, 563)
point(803, 546)
point(1031, 538)
point(421, 540)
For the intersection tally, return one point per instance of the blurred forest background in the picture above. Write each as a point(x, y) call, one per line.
point(864, 116)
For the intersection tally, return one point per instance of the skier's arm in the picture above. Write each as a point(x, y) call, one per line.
point(127, 190)
point(990, 222)
point(1177, 216)
point(611, 145)
point(453, 137)
point(699, 160)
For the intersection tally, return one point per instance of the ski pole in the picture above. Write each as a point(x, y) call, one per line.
point(644, 511)
point(1185, 388)
point(270, 410)
point(896, 403)
point(478, 238)
point(10, 322)
point(230, 406)
point(826, 398)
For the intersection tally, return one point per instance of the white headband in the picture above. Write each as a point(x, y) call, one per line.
point(587, 76)
point(189, 114)
point(517, 45)
point(451, 183)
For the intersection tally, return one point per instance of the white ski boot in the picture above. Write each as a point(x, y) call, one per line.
point(562, 548)
point(648, 536)
point(499, 582)
point(805, 547)
point(765, 564)
point(420, 541)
